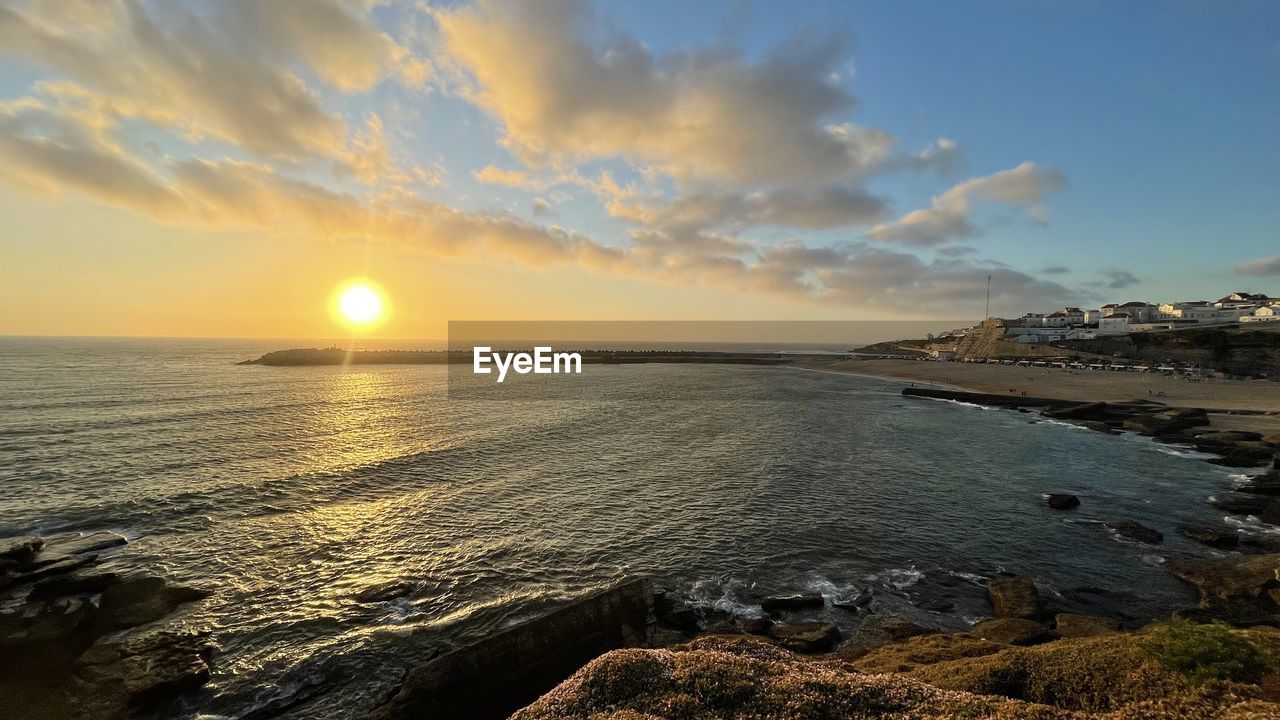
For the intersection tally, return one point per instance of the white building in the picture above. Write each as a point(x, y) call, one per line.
point(1138, 311)
point(1191, 310)
point(1270, 313)
point(1114, 324)
point(1036, 335)
point(1243, 298)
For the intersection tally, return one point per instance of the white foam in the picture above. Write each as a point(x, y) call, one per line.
point(898, 578)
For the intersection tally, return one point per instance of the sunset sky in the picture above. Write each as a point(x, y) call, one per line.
point(218, 168)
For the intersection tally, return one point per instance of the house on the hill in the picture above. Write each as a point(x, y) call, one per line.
point(1270, 313)
point(1114, 324)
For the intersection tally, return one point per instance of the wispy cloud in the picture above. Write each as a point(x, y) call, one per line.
point(948, 217)
point(1117, 279)
point(1260, 267)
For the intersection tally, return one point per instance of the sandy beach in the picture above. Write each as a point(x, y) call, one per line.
point(1227, 396)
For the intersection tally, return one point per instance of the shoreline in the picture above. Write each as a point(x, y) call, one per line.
point(1232, 405)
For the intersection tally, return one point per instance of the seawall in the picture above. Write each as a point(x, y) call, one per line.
point(989, 399)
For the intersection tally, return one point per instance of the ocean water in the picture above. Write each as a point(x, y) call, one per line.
point(287, 491)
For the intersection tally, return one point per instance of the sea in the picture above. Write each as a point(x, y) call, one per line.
point(287, 491)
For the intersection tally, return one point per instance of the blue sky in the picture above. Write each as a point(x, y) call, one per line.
point(663, 159)
point(1165, 117)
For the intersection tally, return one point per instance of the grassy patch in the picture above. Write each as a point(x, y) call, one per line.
point(1214, 652)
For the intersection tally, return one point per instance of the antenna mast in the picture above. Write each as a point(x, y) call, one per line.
point(988, 316)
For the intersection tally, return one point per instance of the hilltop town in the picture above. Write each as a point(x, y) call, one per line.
point(1235, 335)
point(1138, 316)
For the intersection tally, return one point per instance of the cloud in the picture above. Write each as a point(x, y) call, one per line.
point(220, 118)
point(949, 215)
point(1055, 270)
point(225, 76)
point(886, 279)
point(824, 206)
point(338, 40)
point(1260, 267)
point(45, 151)
point(943, 157)
point(692, 114)
point(1119, 279)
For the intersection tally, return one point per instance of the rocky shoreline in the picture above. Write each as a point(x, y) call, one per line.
point(658, 657)
point(1257, 498)
point(81, 636)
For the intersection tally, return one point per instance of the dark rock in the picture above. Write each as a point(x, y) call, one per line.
point(806, 637)
point(1103, 602)
point(1063, 501)
point(1244, 577)
point(1179, 437)
point(1185, 414)
point(75, 583)
point(63, 564)
point(1237, 613)
point(76, 544)
point(21, 549)
point(43, 559)
point(1270, 514)
point(1096, 426)
point(279, 702)
point(1167, 421)
point(988, 399)
point(383, 593)
point(495, 676)
point(1244, 455)
point(1012, 631)
point(720, 626)
point(1265, 484)
point(1242, 504)
point(941, 606)
point(1264, 543)
point(899, 629)
point(1086, 411)
point(45, 622)
point(1210, 536)
point(856, 604)
point(141, 670)
point(756, 626)
point(140, 600)
point(1136, 531)
point(780, 603)
point(1229, 436)
point(1070, 625)
point(1014, 597)
point(679, 616)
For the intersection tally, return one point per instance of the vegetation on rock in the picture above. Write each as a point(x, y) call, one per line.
point(1123, 676)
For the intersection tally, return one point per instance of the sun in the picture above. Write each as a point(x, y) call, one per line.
point(359, 304)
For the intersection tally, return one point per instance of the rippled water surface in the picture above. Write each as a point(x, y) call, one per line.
point(289, 490)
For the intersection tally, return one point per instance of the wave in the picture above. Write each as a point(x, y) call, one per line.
point(897, 578)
